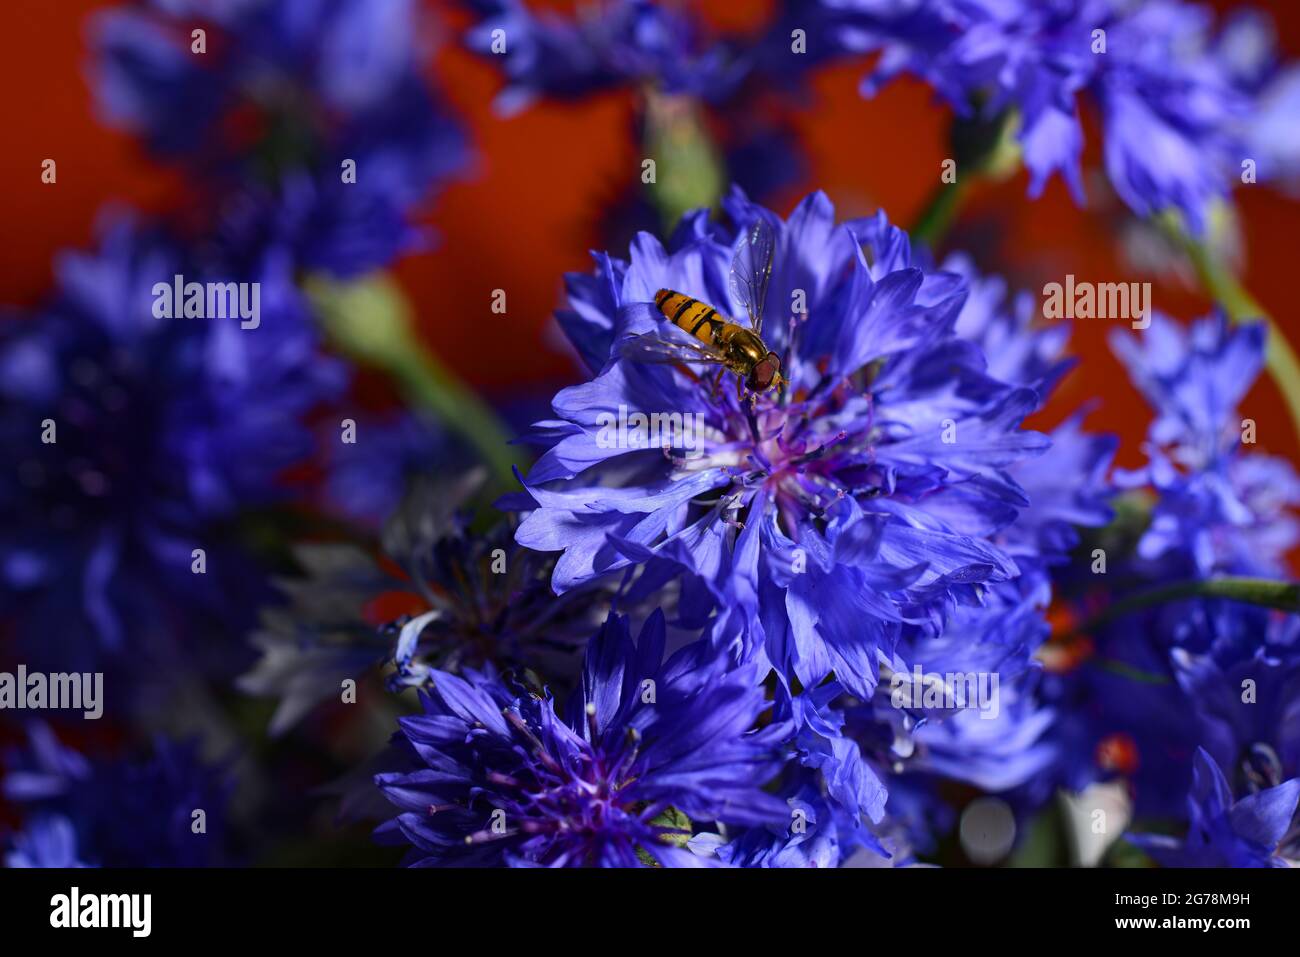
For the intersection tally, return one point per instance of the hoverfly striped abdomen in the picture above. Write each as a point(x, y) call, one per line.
point(697, 318)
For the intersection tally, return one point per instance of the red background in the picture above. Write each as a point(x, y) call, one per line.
point(528, 210)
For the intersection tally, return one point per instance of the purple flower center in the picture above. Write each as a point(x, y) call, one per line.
point(565, 801)
point(804, 453)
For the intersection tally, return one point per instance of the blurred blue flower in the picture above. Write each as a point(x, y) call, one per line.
point(1174, 112)
point(1220, 511)
point(674, 59)
point(1152, 686)
point(365, 480)
point(866, 495)
point(647, 750)
point(48, 841)
point(636, 43)
point(1225, 832)
point(1248, 44)
point(625, 41)
point(284, 96)
point(1068, 488)
point(116, 812)
point(1247, 706)
point(129, 441)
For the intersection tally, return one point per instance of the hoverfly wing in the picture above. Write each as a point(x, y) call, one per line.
point(751, 268)
point(651, 347)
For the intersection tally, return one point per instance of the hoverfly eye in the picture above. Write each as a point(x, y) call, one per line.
point(765, 372)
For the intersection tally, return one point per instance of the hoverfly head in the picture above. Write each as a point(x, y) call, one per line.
point(766, 373)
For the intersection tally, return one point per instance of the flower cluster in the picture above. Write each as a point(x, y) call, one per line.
point(631, 42)
point(1184, 109)
point(1211, 739)
point(865, 527)
point(674, 61)
point(802, 571)
point(128, 441)
point(314, 132)
point(142, 438)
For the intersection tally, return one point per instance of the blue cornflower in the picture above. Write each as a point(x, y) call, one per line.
point(864, 495)
point(119, 811)
point(131, 441)
point(648, 749)
point(1154, 685)
point(1174, 113)
point(957, 705)
point(1224, 832)
point(996, 740)
point(1248, 44)
point(463, 597)
point(1247, 704)
point(1219, 511)
point(284, 97)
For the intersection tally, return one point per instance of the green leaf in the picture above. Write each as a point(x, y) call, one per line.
point(676, 820)
point(669, 818)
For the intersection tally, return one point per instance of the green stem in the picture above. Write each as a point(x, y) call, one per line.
point(1125, 670)
point(983, 146)
point(1226, 289)
point(432, 385)
point(369, 319)
point(940, 211)
point(1252, 591)
point(690, 170)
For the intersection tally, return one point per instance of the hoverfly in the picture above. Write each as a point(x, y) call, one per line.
point(714, 338)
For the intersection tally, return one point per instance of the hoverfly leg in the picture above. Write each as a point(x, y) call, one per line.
point(717, 382)
point(795, 323)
